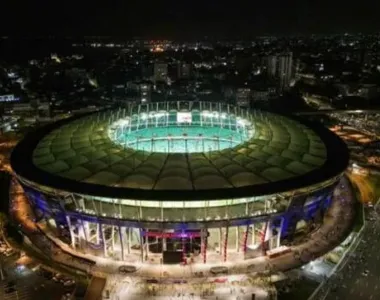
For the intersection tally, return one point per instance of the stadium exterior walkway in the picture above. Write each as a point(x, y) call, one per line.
point(337, 224)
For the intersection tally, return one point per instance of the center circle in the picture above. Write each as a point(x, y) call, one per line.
point(181, 132)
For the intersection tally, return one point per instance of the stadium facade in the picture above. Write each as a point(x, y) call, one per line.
point(173, 181)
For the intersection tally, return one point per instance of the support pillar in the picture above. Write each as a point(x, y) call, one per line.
point(226, 244)
point(269, 235)
point(220, 241)
point(146, 244)
point(129, 234)
point(183, 240)
point(72, 234)
point(263, 238)
point(164, 247)
point(113, 239)
point(84, 234)
point(121, 242)
point(237, 242)
point(141, 245)
point(105, 254)
point(87, 232)
point(253, 234)
point(278, 243)
point(204, 244)
point(246, 239)
point(98, 239)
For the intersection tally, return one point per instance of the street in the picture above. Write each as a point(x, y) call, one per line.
point(359, 277)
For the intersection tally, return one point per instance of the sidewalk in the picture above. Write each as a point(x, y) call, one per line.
point(336, 225)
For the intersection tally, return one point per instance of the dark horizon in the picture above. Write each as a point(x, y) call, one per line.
point(174, 19)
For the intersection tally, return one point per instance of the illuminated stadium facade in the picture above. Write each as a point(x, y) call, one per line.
point(166, 182)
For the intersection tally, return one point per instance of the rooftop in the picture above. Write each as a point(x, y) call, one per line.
point(77, 155)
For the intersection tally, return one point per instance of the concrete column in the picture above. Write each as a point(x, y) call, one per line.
point(204, 245)
point(98, 236)
point(264, 236)
point(72, 234)
point(84, 234)
point(253, 234)
point(237, 239)
point(226, 244)
point(113, 239)
point(220, 241)
point(183, 245)
point(141, 245)
point(129, 236)
point(268, 234)
point(245, 239)
point(105, 254)
point(86, 228)
point(279, 233)
point(147, 243)
point(121, 242)
point(164, 246)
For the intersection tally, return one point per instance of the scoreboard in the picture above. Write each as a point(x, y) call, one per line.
point(184, 117)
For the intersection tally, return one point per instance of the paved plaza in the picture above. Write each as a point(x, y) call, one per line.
point(132, 288)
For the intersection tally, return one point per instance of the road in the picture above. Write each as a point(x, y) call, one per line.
point(350, 282)
point(366, 191)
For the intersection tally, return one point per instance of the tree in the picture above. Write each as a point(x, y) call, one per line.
point(3, 222)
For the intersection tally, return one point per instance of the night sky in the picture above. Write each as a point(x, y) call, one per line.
point(188, 18)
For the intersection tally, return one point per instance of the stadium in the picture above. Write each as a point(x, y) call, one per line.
point(175, 182)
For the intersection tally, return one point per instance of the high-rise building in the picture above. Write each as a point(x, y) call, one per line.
point(280, 67)
point(285, 68)
point(183, 70)
point(145, 92)
point(160, 72)
point(271, 65)
point(139, 91)
point(243, 97)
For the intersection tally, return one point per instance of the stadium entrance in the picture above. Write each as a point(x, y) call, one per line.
point(175, 246)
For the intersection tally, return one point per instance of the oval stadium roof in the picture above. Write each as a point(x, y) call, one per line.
point(76, 155)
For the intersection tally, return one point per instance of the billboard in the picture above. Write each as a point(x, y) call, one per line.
point(184, 117)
